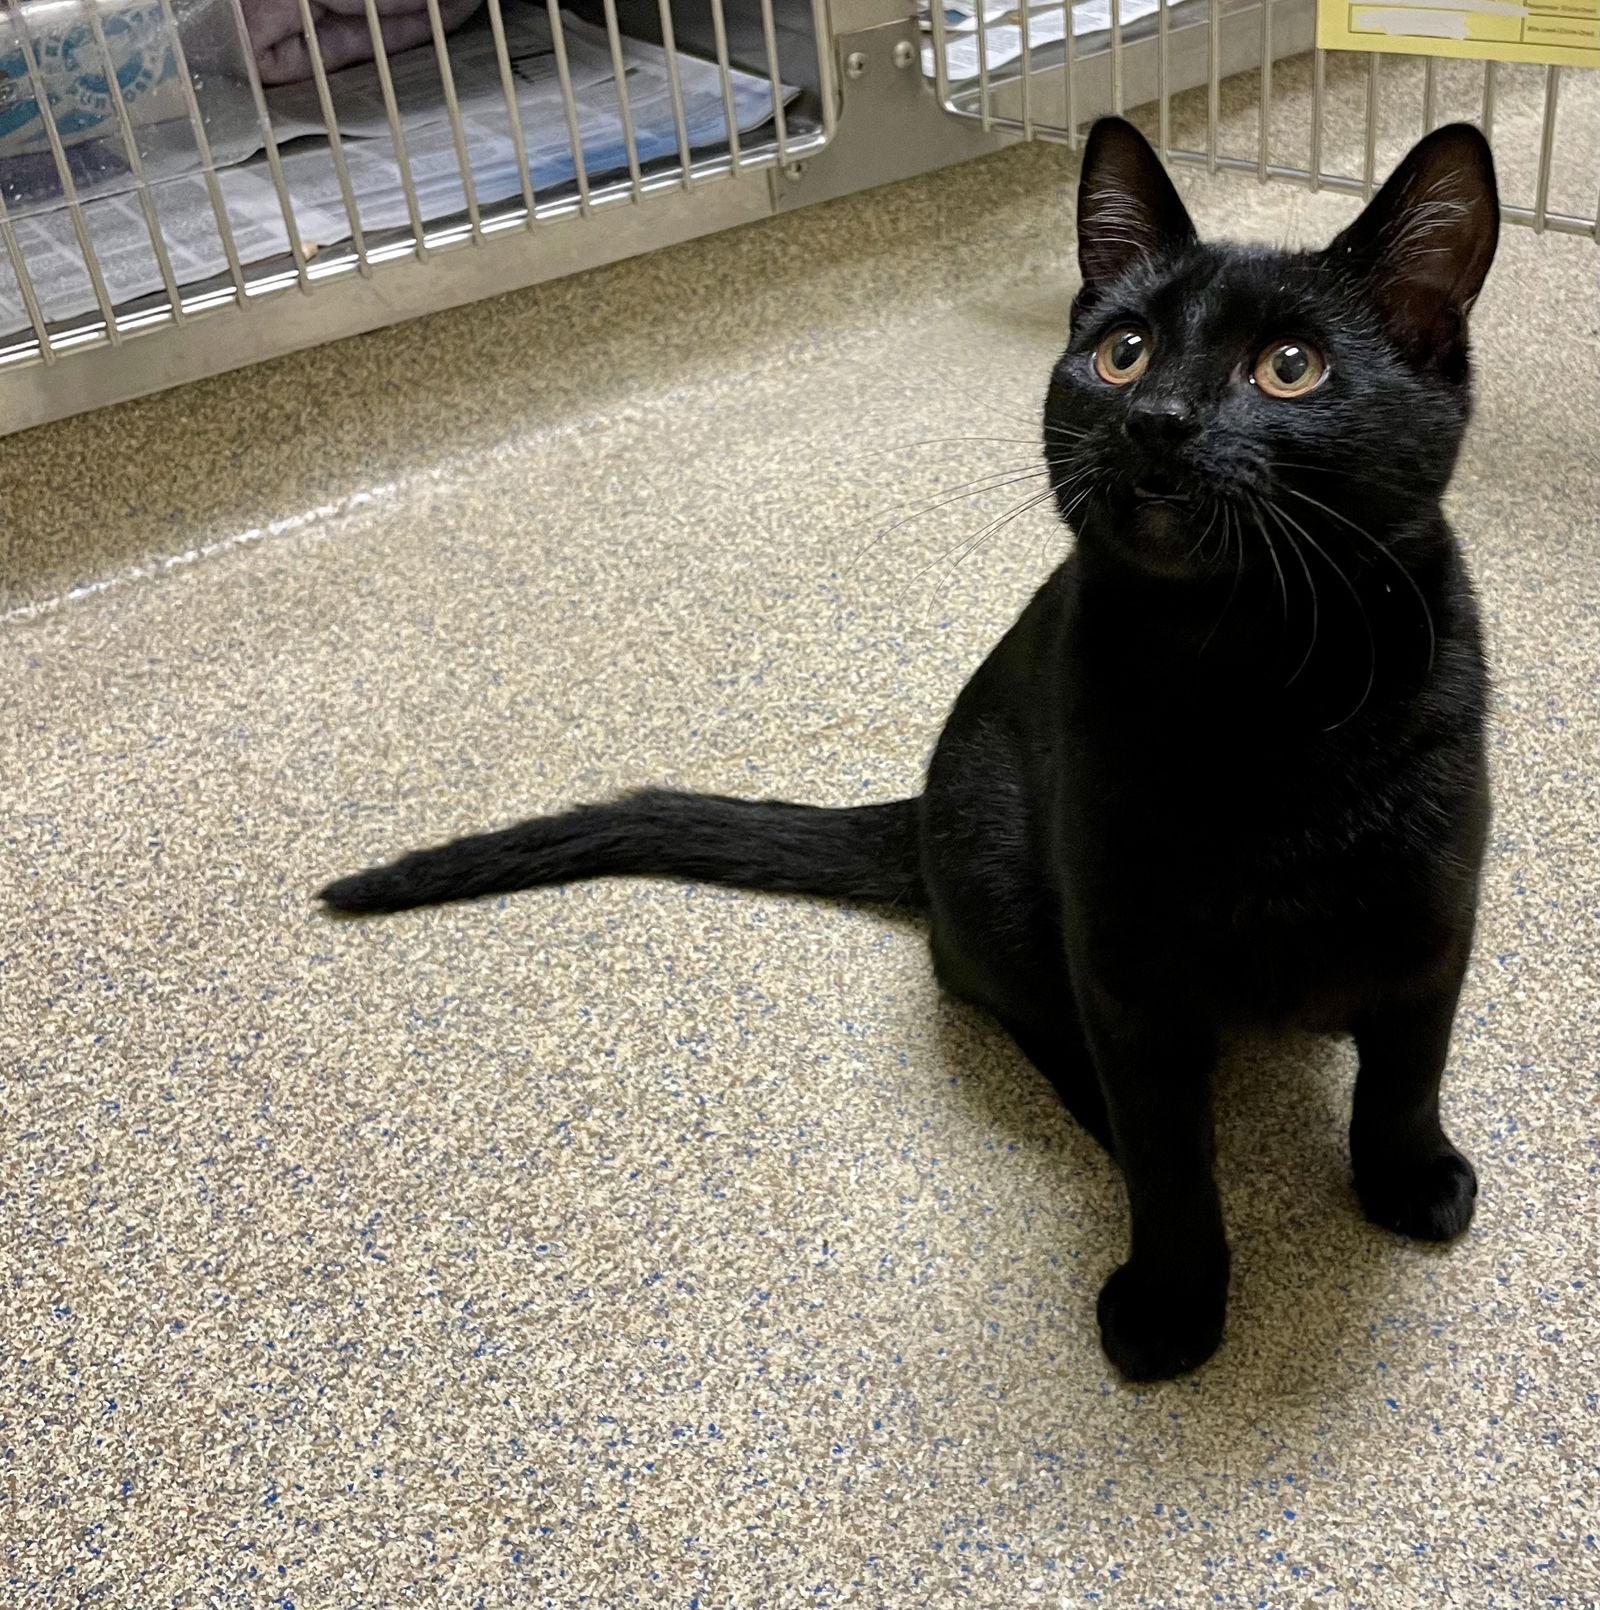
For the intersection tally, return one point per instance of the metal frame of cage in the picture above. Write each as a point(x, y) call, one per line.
point(876, 120)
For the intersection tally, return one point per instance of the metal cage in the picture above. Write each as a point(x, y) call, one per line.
point(166, 212)
point(1150, 51)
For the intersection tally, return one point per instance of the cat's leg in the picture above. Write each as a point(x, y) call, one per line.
point(1162, 1312)
point(995, 930)
point(1408, 1175)
point(1060, 1054)
point(1020, 981)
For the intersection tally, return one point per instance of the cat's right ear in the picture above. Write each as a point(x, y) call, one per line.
point(1128, 210)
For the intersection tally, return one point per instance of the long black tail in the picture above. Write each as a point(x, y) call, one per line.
point(857, 852)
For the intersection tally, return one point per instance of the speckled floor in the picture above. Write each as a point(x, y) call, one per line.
point(642, 1245)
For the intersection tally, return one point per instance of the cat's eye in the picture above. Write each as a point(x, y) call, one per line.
point(1289, 369)
point(1124, 355)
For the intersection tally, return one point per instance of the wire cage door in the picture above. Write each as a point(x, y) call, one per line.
point(1240, 84)
point(161, 160)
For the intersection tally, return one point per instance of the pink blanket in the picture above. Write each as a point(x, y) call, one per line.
point(280, 41)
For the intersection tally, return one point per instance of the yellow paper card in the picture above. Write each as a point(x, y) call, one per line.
point(1563, 32)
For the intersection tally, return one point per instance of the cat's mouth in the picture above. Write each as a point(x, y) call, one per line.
point(1159, 489)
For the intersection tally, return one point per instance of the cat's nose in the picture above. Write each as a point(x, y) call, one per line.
point(1158, 422)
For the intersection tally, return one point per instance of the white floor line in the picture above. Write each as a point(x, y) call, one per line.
point(206, 550)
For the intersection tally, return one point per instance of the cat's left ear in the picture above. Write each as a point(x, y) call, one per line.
point(1425, 241)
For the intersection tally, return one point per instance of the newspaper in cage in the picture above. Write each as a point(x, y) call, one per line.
point(427, 138)
point(120, 237)
point(1002, 29)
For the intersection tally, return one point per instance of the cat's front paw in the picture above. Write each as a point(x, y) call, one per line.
point(1154, 1325)
point(1430, 1198)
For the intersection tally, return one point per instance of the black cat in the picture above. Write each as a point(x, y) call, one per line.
point(1228, 766)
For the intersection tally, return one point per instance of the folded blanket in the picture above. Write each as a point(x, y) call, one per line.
point(279, 38)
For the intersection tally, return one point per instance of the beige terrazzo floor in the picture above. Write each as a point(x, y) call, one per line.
point(645, 1245)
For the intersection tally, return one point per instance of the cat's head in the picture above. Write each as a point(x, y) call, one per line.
point(1213, 392)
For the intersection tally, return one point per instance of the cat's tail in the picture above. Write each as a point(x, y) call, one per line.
point(856, 852)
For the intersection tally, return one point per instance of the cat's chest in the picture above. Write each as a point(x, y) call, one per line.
point(1263, 855)
point(1299, 901)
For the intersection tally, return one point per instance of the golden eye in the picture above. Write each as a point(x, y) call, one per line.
point(1124, 355)
point(1289, 369)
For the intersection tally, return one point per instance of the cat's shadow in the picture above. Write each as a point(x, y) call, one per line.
point(1310, 1275)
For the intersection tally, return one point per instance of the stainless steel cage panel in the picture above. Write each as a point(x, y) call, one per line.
point(166, 214)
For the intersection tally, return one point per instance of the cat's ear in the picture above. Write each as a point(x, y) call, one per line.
point(1424, 243)
point(1128, 211)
